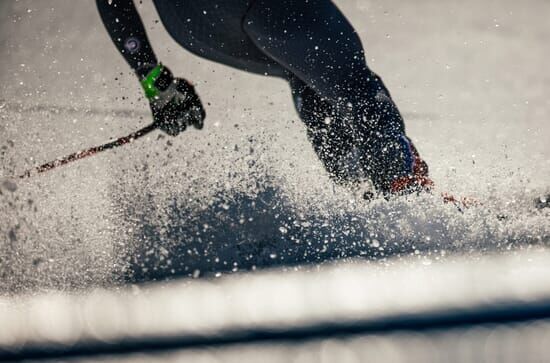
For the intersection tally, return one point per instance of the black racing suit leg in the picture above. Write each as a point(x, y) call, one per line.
point(315, 43)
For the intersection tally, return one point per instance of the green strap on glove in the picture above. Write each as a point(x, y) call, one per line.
point(148, 83)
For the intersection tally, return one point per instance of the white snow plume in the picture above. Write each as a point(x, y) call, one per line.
point(239, 216)
point(238, 231)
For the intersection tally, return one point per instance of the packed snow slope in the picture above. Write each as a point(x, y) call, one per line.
point(247, 192)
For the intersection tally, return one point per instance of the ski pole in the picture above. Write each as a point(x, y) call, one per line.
point(89, 152)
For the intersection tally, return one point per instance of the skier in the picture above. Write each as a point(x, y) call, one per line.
point(352, 122)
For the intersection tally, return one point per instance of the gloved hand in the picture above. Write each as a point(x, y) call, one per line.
point(173, 101)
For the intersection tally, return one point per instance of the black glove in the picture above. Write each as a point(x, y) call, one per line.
point(173, 101)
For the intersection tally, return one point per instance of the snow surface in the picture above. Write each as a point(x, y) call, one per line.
point(247, 192)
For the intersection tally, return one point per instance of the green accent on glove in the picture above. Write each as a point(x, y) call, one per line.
point(148, 83)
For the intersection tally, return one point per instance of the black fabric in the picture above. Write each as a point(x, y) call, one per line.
point(126, 29)
point(214, 30)
point(315, 43)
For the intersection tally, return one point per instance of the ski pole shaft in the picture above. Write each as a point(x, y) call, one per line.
point(88, 152)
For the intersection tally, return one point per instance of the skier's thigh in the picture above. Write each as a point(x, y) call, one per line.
point(213, 30)
point(310, 38)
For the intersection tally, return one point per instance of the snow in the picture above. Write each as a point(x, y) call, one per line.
point(470, 78)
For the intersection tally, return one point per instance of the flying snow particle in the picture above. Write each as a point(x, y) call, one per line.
point(9, 185)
